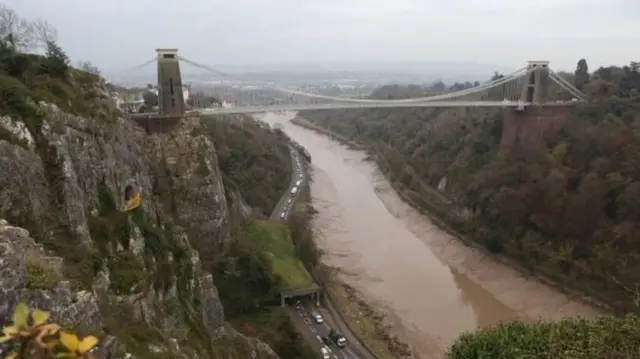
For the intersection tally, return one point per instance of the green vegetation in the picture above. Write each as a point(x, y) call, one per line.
point(249, 284)
point(252, 158)
point(564, 207)
point(299, 223)
point(261, 260)
point(273, 238)
point(127, 272)
point(27, 83)
point(41, 276)
point(569, 338)
point(274, 327)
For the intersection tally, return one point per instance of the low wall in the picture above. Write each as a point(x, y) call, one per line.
point(156, 123)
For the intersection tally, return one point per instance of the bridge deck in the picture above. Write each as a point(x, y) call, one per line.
point(333, 106)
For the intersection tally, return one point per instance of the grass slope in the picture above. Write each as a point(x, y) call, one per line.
point(275, 241)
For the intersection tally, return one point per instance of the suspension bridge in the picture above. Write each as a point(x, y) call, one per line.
point(524, 87)
point(524, 91)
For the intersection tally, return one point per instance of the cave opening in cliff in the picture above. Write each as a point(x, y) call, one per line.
point(129, 193)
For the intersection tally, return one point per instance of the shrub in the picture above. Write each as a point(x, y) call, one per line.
point(31, 336)
point(569, 338)
point(40, 273)
point(127, 271)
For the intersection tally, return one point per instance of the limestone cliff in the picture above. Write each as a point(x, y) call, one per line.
point(141, 277)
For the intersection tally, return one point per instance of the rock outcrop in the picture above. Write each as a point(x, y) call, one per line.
point(142, 275)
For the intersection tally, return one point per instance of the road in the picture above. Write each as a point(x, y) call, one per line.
point(302, 313)
point(298, 174)
point(381, 104)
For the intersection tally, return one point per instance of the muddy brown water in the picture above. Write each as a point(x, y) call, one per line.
point(431, 286)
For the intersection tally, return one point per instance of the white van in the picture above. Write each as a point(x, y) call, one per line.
point(325, 353)
point(298, 183)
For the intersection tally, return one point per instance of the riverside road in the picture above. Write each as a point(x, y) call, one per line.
point(302, 313)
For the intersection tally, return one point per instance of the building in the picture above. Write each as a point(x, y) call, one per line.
point(129, 100)
point(228, 101)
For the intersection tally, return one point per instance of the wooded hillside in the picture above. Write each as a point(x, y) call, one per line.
point(568, 208)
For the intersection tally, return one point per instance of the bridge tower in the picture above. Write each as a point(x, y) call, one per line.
point(535, 121)
point(170, 95)
point(535, 86)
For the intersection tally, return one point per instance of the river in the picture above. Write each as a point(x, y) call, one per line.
point(432, 285)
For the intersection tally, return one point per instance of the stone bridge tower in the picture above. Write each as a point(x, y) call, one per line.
point(170, 95)
point(536, 121)
point(171, 105)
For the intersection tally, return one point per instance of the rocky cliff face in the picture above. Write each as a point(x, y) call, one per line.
point(142, 276)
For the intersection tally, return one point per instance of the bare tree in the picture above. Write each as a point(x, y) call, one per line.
point(87, 66)
point(42, 33)
point(15, 30)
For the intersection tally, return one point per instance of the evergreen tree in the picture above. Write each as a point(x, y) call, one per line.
point(581, 75)
point(57, 61)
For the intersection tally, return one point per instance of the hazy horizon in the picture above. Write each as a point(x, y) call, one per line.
point(251, 33)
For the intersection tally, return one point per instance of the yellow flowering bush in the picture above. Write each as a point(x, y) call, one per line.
point(31, 336)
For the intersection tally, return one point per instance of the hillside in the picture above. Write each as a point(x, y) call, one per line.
point(252, 158)
point(564, 208)
point(113, 232)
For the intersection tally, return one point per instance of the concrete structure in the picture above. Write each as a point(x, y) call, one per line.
point(314, 293)
point(530, 117)
point(170, 93)
point(171, 96)
point(186, 92)
point(535, 87)
point(536, 121)
point(156, 123)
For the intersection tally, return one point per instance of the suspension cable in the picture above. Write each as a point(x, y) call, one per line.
point(486, 86)
point(566, 86)
point(127, 72)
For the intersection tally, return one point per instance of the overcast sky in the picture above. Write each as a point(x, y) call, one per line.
point(118, 34)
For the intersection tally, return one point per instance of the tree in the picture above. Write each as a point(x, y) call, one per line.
point(16, 31)
point(553, 204)
point(57, 61)
point(569, 338)
point(87, 66)
point(42, 33)
point(581, 75)
point(150, 99)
